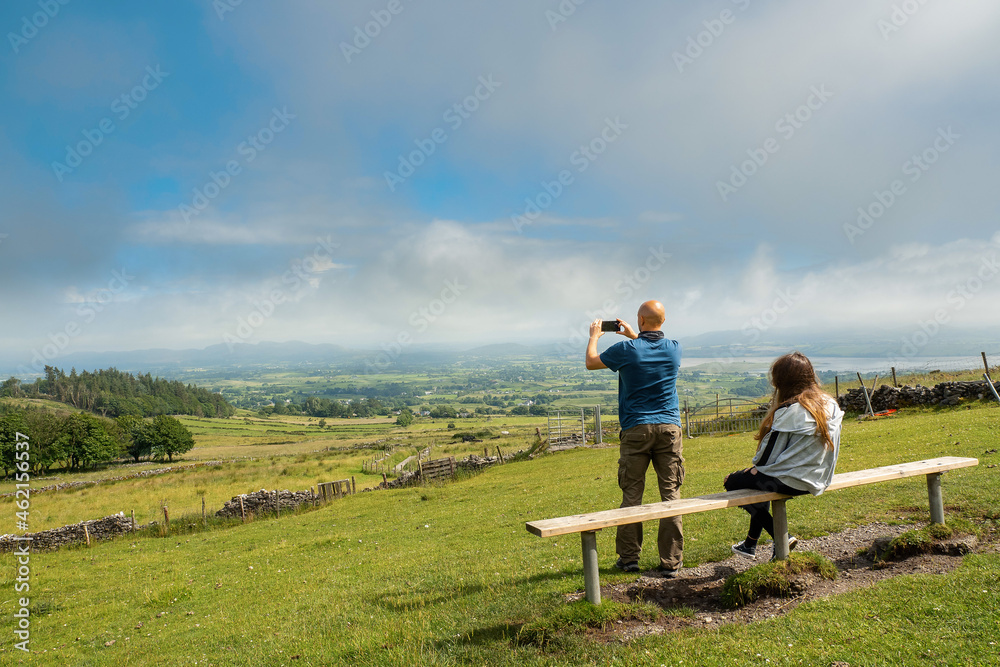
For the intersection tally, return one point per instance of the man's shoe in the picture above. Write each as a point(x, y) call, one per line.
point(666, 572)
point(631, 566)
point(742, 549)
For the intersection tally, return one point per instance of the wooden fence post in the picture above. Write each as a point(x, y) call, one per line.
point(243, 512)
point(354, 488)
point(277, 503)
point(836, 386)
point(166, 517)
point(133, 519)
point(867, 399)
point(204, 515)
point(499, 454)
point(986, 366)
point(894, 383)
point(598, 431)
point(86, 534)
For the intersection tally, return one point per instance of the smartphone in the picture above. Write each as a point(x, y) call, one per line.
point(610, 325)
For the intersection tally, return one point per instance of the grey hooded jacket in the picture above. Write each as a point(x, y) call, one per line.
point(793, 452)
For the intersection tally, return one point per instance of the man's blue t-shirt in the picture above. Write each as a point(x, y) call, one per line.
point(647, 380)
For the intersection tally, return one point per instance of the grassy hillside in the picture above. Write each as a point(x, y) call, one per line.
point(447, 574)
point(256, 454)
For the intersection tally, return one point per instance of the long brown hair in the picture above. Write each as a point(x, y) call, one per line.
point(794, 381)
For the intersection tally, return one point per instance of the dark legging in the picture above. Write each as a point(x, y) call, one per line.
point(760, 513)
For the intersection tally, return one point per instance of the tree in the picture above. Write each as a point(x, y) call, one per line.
point(44, 429)
point(405, 418)
point(170, 437)
point(11, 387)
point(10, 425)
point(443, 412)
point(85, 440)
point(138, 436)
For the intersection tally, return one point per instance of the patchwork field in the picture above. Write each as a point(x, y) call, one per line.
point(447, 574)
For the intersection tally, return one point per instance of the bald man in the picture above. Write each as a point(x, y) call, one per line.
point(647, 365)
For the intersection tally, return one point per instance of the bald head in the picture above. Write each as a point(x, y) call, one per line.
point(651, 316)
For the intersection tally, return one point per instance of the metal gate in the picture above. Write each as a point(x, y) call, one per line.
point(570, 429)
point(726, 415)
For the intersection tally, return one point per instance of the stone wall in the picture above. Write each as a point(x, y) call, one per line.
point(264, 502)
point(135, 475)
point(887, 397)
point(107, 528)
point(257, 503)
point(473, 462)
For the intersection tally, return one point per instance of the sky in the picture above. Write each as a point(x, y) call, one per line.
point(393, 173)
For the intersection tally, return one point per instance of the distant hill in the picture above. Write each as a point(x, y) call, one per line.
point(873, 342)
point(113, 393)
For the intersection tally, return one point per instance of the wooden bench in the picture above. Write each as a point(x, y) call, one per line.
point(588, 524)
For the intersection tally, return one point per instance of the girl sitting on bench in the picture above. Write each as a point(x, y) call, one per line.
point(798, 443)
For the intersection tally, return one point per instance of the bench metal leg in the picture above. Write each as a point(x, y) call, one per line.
point(780, 530)
point(934, 495)
point(591, 575)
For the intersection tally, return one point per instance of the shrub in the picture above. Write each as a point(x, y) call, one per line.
point(775, 578)
point(922, 540)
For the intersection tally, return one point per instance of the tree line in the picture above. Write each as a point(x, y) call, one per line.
point(113, 393)
point(83, 439)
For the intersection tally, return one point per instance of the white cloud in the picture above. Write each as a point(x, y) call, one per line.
point(659, 217)
point(655, 187)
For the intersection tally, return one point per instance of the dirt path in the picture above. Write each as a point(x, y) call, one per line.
point(699, 588)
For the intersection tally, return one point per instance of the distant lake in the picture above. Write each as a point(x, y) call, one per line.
point(852, 364)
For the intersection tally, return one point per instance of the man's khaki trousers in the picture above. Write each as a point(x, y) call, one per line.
point(661, 444)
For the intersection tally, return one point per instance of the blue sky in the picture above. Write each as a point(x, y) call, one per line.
point(180, 174)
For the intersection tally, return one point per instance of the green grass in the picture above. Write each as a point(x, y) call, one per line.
point(294, 466)
point(774, 578)
point(448, 574)
point(578, 616)
point(922, 540)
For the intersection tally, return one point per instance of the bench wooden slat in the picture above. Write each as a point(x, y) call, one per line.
point(626, 515)
point(899, 471)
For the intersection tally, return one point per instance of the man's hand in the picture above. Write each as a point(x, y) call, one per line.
point(595, 329)
point(626, 330)
point(593, 360)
